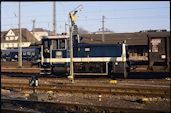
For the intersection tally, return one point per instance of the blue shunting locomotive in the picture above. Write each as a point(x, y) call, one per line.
point(88, 59)
point(29, 54)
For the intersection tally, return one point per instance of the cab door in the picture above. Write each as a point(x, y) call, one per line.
point(46, 48)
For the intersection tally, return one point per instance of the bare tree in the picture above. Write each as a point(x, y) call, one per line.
point(82, 31)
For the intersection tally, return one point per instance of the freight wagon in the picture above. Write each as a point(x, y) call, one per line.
point(159, 52)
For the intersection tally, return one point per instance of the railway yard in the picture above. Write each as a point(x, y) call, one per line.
point(87, 94)
point(80, 71)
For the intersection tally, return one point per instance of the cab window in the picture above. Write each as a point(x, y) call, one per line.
point(61, 44)
point(46, 44)
point(58, 44)
point(55, 44)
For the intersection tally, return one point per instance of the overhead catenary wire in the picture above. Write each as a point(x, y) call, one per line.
point(61, 3)
point(96, 20)
point(28, 5)
point(120, 10)
point(107, 18)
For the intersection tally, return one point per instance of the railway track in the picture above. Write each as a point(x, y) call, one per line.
point(133, 91)
point(68, 108)
point(25, 76)
point(28, 72)
point(20, 70)
point(16, 111)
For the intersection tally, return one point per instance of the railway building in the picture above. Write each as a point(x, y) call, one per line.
point(39, 32)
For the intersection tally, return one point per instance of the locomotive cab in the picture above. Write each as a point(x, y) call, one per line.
point(53, 48)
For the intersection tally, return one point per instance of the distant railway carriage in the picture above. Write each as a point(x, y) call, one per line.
point(88, 59)
point(27, 54)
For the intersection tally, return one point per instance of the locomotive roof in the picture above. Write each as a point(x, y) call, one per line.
point(56, 37)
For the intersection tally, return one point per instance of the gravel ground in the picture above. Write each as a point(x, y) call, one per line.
point(113, 101)
point(94, 82)
point(78, 98)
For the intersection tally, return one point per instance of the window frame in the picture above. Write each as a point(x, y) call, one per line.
point(58, 44)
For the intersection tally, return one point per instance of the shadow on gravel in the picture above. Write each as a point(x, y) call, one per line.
point(131, 75)
point(148, 75)
point(59, 83)
point(19, 74)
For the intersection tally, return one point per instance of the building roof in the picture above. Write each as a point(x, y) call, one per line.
point(38, 30)
point(138, 38)
point(3, 33)
point(159, 34)
point(26, 36)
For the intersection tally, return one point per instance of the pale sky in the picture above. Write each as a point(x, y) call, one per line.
point(120, 16)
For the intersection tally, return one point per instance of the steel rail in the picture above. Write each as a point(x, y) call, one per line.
point(149, 92)
point(42, 106)
point(7, 110)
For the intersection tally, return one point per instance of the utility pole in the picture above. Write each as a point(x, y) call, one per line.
point(19, 41)
point(72, 15)
point(34, 31)
point(65, 27)
point(54, 17)
point(71, 56)
point(103, 28)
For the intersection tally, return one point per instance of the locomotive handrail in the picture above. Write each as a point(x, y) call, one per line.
point(123, 53)
point(42, 58)
point(51, 54)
